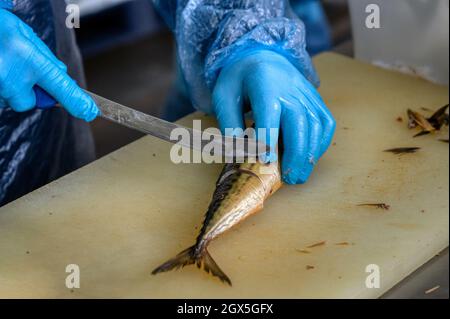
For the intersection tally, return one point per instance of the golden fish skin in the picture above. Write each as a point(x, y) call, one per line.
point(240, 192)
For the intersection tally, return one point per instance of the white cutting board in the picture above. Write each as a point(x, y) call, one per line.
point(122, 216)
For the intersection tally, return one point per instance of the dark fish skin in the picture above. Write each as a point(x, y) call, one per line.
point(241, 191)
point(423, 133)
point(439, 118)
point(403, 150)
point(380, 206)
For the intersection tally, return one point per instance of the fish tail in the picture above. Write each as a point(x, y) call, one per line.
point(210, 266)
point(183, 259)
point(189, 257)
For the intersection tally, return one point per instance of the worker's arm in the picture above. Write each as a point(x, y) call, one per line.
point(25, 61)
point(236, 51)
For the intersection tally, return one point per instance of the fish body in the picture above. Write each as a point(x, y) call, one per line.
point(241, 191)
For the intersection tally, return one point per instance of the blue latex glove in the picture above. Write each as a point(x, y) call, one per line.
point(280, 97)
point(25, 61)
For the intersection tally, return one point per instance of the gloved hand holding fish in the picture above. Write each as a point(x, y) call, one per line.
point(296, 110)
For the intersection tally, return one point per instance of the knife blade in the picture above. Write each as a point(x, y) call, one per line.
point(230, 148)
point(226, 147)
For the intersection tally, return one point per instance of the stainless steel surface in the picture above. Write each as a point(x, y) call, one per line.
point(227, 147)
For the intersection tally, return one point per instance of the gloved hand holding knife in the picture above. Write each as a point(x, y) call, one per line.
point(28, 69)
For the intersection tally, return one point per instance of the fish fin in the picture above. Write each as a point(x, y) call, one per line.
point(188, 257)
point(183, 259)
point(210, 266)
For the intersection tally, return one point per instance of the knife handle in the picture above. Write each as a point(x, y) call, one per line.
point(43, 100)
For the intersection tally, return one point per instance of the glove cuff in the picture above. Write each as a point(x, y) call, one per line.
point(6, 4)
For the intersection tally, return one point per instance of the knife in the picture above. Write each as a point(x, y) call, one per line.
point(226, 147)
